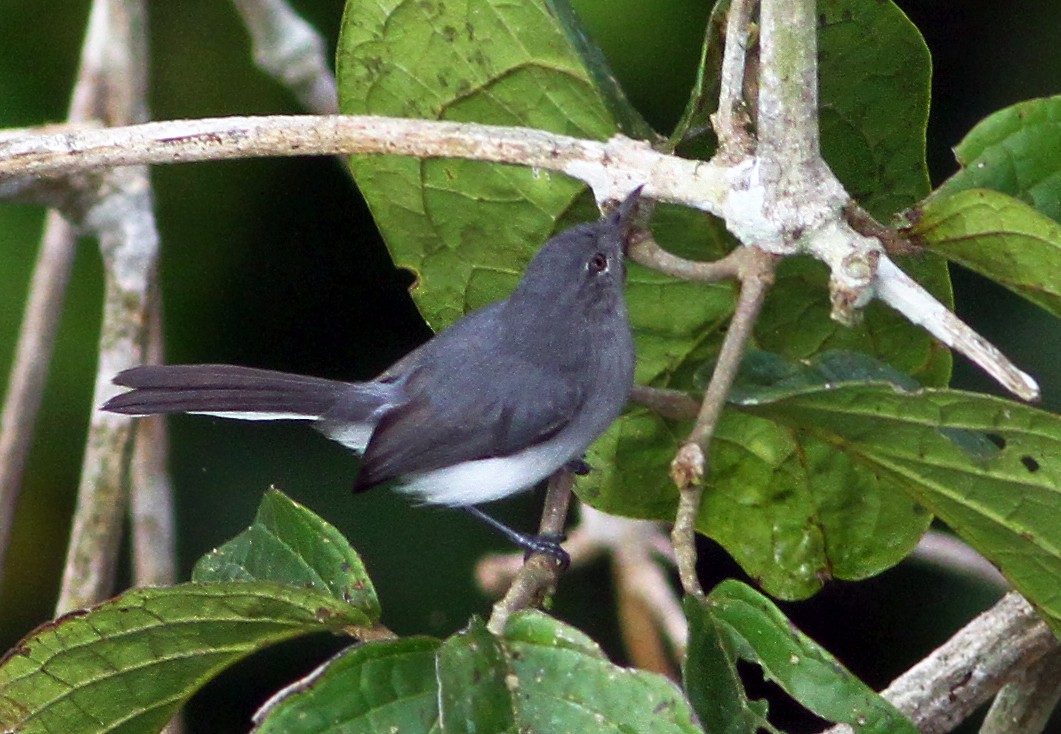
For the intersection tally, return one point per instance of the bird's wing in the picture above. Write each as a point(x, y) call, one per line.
point(463, 415)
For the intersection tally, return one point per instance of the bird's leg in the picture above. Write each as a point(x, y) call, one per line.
point(547, 544)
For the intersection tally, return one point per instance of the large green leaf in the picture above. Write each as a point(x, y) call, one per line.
point(466, 60)
point(875, 77)
point(1016, 151)
point(791, 511)
point(386, 686)
point(289, 544)
point(997, 236)
point(540, 676)
point(128, 664)
point(735, 623)
point(564, 683)
point(475, 694)
point(988, 467)
point(467, 229)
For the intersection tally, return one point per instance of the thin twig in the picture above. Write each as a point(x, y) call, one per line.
point(25, 387)
point(909, 298)
point(541, 571)
point(689, 465)
point(292, 51)
point(151, 510)
point(641, 554)
point(1025, 704)
point(114, 60)
point(731, 121)
point(668, 403)
point(946, 687)
point(644, 250)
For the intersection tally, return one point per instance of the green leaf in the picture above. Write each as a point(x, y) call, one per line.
point(474, 695)
point(386, 686)
point(562, 682)
point(999, 237)
point(541, 676)
point(629, 119)
point(789, 507)
point(289, 544)
point(987, 467)
point(875, 77)
point(712, 680)
point(737, 623)
point(1016, 151)
point(128, 664)
point(792, 511)
point(467, 60)
point(703, 99)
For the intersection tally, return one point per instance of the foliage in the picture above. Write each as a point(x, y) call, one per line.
point(836, 450)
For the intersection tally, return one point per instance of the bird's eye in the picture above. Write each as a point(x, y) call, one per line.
point(598, 263)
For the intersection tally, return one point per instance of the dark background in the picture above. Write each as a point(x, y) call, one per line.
point(277, 264)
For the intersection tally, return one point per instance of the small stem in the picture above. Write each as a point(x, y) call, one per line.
point(292, 51)
point(689, 465)
point(540, 573)
point(645, 251)
point(731, 121)
point(25, 387)
point(151, 492)
point(668, 403)
point(952, 555)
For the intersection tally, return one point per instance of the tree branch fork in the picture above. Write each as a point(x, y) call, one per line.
point(733, 190)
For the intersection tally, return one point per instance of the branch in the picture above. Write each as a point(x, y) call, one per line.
point(731, 122)
point(906, 296)
point(811, 220)
point(541, 571)
point(1024, 705)
point(291, 51)
point(112, 84)
point(641, 553)
point(151, 513)
point(25, 387)
point(689, 465)
point(946, 687)
point(611, 168)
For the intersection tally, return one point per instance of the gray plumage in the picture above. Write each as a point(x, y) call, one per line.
point(488, 407)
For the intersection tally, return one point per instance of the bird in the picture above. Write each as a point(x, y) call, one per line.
point(488, 407)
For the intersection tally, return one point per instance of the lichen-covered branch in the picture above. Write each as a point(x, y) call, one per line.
point(291, 51)
point(112, 87)
point(946, 687)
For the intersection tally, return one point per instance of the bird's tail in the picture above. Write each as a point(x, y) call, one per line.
point(224, 390)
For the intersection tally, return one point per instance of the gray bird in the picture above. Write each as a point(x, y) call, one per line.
point(489, 407)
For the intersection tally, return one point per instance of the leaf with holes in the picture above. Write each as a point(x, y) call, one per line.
point(987, 467)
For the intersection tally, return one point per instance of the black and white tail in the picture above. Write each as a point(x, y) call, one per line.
point(223, 390)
